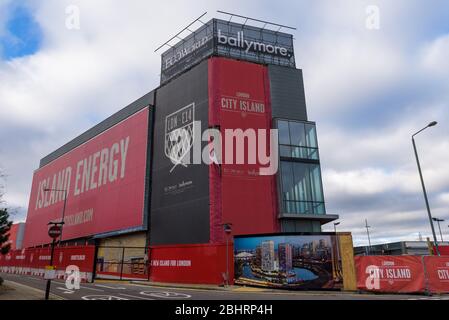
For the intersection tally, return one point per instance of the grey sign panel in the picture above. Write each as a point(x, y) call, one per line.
point(287, 93)
point(228, 39)
point(180, 189)
point(187, 52)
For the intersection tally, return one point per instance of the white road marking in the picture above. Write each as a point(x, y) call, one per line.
point(65, 290)
point(136, 297)
point(89, 288)
point(102, 297)
point(166, 294)
point(107, 287)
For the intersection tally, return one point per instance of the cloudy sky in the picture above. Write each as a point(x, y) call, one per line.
point(367, 88)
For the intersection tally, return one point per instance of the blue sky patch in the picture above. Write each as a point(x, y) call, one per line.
point(23, 35)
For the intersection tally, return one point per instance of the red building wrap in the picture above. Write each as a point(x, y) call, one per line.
point(239, 98)
point(105, 180)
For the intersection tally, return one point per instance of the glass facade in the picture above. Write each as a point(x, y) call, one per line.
point(297, 140)
point(300, 178)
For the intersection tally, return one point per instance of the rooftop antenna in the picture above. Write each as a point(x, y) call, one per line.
point(367, 232)
point(257, 20)
point(184, 29)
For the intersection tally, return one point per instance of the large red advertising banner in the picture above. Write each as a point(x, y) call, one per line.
point(239, 100)
point(437, 270)
point(398, 274)
point(105, 183)
point(201, 263)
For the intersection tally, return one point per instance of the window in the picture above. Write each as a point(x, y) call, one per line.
point(301, 188)
point(301, 185)
point(297, 140)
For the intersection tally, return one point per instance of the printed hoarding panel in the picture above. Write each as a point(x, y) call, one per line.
point(67, 261)
point(437, 271)
point(399, 274)
point(239, 102)
point(289, 261)
point(201, 263)
point(105, 183)
point(180, 190)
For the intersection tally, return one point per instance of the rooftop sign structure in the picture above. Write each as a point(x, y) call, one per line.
point(227, 39)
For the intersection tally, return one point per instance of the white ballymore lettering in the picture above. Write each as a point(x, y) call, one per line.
point(246, 45)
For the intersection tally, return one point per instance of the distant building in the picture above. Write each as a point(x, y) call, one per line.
point(268, 256)
point(396, 248)
point(285, 257)
point(244, 256)
point(16, 235)
point(258, 261)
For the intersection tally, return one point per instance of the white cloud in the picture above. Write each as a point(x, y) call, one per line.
point(435, 56)
point(79, 77)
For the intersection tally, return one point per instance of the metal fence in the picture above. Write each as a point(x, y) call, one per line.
point(122, 263)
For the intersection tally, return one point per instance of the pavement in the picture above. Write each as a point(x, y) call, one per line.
point(29, 287)
point(11, 290)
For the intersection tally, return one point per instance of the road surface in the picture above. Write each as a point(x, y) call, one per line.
point(116, 290)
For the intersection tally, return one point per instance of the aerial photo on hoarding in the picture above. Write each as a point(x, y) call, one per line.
point(290, 261)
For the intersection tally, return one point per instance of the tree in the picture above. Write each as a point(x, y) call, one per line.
point(5, 223)
point(5, 227)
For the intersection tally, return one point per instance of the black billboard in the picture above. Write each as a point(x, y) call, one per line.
point(228, 39)
point(180, 188)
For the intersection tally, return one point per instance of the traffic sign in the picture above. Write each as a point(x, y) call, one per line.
point(50, 272)
point(54, 231)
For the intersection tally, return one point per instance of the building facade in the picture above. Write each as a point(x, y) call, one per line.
point(141, 172)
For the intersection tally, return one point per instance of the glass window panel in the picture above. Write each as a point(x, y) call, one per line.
point(284, 137)
point(285, 151)
point(301, 182)
point(297, 134)
point(312, 154)
point(318, 208)
point(287, 180)
point(315, 178)
point(311, 136)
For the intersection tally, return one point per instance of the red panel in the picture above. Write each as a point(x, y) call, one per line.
point(398, 274)
point(444, 250)
point(203, 263)
point(32, 261)
point(437, 270)
point(105, 178)
point(13, 235)
point(239, 195)
point(81, 256)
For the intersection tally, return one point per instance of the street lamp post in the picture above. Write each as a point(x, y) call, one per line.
point(335, 226)
point(433, 123)
point(439, 227)
point(63, 208)
point(367, 232)
point(227, 229)
point(54, 232)
point(335, 264)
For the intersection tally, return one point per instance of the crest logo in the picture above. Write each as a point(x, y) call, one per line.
point(179, 135)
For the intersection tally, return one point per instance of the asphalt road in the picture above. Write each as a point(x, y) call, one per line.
point(115, 290)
